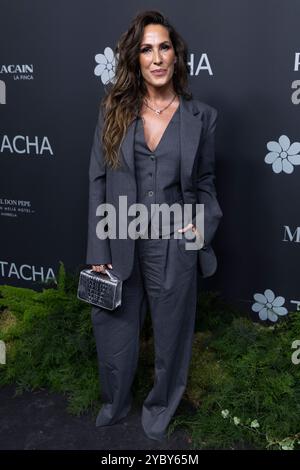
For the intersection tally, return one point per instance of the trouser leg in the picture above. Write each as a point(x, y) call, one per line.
point(117, 339)
point(170, 279)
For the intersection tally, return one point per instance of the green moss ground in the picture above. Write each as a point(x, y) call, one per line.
point(242, 382)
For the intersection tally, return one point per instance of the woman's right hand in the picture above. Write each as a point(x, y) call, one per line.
point(100, 268)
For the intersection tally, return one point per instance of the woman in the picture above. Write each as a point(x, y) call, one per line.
point(153, 143)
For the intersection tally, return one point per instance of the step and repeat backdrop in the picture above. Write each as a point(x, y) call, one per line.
point(244, 58)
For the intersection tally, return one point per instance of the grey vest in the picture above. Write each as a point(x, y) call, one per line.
point(158, 173)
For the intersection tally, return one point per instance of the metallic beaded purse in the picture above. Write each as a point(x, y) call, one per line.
point(100, 289)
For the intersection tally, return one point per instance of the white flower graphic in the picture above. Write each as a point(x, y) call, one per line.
point(269, 307)
point(106, 65)
point(283, 155)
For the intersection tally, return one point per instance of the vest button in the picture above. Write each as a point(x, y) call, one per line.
point(150, 193)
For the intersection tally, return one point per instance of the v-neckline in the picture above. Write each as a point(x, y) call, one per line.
point(162, 136)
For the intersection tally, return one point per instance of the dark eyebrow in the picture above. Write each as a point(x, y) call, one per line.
point(145, 44)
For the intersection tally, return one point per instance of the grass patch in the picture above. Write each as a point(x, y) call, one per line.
point(242, 382)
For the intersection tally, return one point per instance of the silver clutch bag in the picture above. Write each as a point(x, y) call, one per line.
point(100, 289)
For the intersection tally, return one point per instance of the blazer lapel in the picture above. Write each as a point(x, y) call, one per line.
point(190, 132)
point(127, 146)
point(191, 127)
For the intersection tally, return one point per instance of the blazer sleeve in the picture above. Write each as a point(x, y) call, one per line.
point(205, 179)
point(98, 250)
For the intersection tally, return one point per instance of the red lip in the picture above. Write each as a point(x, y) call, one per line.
point(158, 70)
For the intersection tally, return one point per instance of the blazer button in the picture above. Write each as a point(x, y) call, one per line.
point(152, 157)
point(150, 193)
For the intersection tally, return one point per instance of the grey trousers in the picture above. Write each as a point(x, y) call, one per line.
point(164, 276)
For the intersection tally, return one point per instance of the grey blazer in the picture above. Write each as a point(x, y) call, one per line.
point(197, 137)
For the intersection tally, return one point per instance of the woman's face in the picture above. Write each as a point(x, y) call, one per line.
point(156, 52)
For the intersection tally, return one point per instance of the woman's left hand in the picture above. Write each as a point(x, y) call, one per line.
point(188, 227)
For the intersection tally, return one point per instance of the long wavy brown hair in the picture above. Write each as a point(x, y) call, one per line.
point(123, 101)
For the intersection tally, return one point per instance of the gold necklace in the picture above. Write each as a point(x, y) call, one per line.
point(159, 111)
